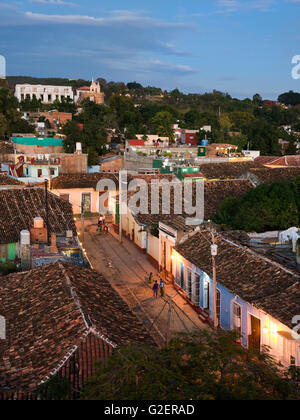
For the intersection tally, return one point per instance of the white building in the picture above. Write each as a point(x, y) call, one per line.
point(47, 94)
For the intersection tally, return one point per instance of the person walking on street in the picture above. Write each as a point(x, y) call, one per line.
point(100, 223)
point(155, 289)
point(162, 288)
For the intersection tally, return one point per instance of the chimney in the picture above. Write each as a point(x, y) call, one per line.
point(38, 223)
point(39, 231)
point(78, 149)
point(2, 328)
point(69, 234)
point(53, 248)
point(25, 250)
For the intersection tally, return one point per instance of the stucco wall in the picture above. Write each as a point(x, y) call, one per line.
point(113, 165)
point(271, 329)
point(153, 247)
point(76, 198)
point(28, 149)
point(73, 164)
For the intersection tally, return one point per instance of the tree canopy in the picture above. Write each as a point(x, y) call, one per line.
point(202, 366)
point(265, 208)
point(133, 109)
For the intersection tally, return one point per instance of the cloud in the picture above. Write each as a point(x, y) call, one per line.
point(131, 18)
point(120, 44)
point(229, 6)
point(54, 3)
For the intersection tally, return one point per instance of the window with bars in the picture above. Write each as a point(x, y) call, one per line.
point(196, 294)
point(188, 285)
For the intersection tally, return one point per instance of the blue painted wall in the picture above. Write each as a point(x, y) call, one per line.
point(227, 299)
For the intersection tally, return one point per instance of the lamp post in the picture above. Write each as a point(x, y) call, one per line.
point(82, 224)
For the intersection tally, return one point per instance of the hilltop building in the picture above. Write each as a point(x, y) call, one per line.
point(47, 94)
point(93, 93)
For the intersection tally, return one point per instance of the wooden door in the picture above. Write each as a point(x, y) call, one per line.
point(254, 339)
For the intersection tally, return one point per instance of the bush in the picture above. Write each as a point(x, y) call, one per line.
point(7, 268)
point(202, 366)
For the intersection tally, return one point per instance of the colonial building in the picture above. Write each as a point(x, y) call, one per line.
point(93, 93)
point(81, 190)
point(47, 94)
point(256, 296)
point(171, 228)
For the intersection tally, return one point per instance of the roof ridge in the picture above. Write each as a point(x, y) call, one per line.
point(262, 257)
point(89, 325)
point(74, 295)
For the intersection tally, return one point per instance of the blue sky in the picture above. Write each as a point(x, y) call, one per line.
point(237, 46)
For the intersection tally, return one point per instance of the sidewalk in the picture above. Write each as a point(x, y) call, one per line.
point(128, 271)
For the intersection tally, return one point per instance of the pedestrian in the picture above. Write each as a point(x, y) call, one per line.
point(162, 288)
point(100, 223)
point(155, 289)
point(106, 228)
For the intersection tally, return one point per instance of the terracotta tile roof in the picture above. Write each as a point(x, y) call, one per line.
point(229, 170)
point(279, 161)
point(270, 175)
point(194, 175)
point(265, 160)
point(49, 314)
point(65, 182)
point(6, 148)
point(18, 208)
point(7, 180)
point(150, 177)
point(177, 223)
point(256, 279)
point(287, 161)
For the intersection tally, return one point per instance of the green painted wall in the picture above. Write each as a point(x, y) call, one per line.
point(157, 164)
point(117, 214)
point(12, 251)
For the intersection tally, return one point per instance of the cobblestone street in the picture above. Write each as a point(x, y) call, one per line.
point(128, 270)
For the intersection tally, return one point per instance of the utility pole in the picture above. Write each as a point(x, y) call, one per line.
point(82, 224)
point(122, 196)
point(47, 211)
point(214, 253)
